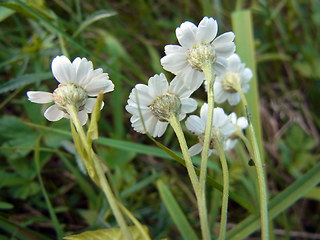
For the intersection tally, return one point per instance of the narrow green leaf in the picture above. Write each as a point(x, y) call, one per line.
point(175, 212)
point(95, 116)
point(243, 29)
point(278, 204)
point(19, 231)
point(106, 234)
point(53, 215)
point(6, 205)
point(5, 13)
point(24, 80)
point(143, 149)
point(96, 16)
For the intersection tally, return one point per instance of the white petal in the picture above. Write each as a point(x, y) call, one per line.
point(242, 122)
point(178, 86)
point(220, 95)
point(188, 105)
point(99, 84)
point(224, 45)
point(223, 39)
point(174, 49)
point(158, 85)
point(193, 78)
point(204, 112)
point(234, 61)
point(160, 128)
point(53, 113)
point(234, 99)
point(228, 129)
point(82, 68)
point(230, 144)
point(90, 105)
point(141, 95)
point(174, 63)
point(63, 70)
point(83, 117)
point(186, 34)
point(219, 67)
point(207, 30)
point(195, 125)
point(195, 149)
point(219, 117)
point(233, 117)
point(39, 97)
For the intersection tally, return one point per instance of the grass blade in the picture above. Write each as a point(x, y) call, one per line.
point(175, 212)
point(243, 29)
point(53, 216)
point(278, 204)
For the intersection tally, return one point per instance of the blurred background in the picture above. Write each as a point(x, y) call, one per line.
point(127, 39)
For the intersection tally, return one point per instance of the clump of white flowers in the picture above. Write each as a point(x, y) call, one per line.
point(152, 105)
point(78, 81)
point(199, 46)
point(227, 84)
point(222, 128)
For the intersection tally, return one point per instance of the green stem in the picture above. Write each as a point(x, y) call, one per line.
point(225, 192)
point(260, 172)
point(142, 230)
point(175, 124)
point(206, 143)
point(99, 170)
point(193, 177)
point(112, 200)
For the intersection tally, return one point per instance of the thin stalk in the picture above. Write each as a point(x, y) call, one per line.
point(175, 124)
point(142, 230)
point(193, 177)
point(102, 178)
point(206, 143)
point(225, 192)
point(260, 172)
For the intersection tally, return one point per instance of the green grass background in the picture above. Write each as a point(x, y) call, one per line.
point(44, 194)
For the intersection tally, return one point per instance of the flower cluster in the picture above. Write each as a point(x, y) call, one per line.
point(152, 105)
point(78, 81)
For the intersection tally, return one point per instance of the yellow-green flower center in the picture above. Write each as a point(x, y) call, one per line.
point(200, 54)
point(70, 94)
point(230, 82)
point(164, 106)
point(216, 137)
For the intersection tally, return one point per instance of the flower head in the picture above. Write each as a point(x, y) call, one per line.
point(156, 102)
point(78, 80)
point(222, 128)
point(240, 124)
point(199, 46)
point(237, 75)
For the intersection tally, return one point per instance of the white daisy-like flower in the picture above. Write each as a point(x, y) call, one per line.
point(78, 80)
point(236, 74)
point(222, 128)
point(156, 102)
point(240, 124)
point(199, 45)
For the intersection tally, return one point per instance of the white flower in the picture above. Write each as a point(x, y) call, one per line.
point(236, 74)
point(240, 124)
point(198, 46)
point(222, 128)
point(78, 80)
point(156, 102)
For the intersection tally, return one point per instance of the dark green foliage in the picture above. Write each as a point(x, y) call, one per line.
point(127, 39)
